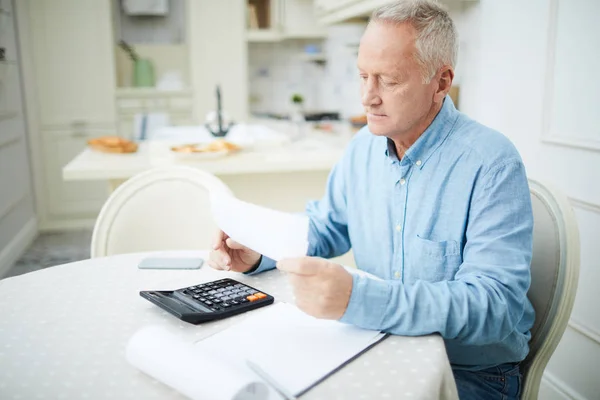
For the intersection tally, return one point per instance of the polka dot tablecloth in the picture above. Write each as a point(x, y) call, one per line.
point(63, 332)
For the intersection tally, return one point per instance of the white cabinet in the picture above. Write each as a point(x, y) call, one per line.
point(68, 49)
point(287, 19)
point(178, 105)
point(334, 11)
point(73, 60)
point(69, 200)
point(299, 19)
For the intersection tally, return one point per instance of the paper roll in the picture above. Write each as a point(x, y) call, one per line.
point(194, 373)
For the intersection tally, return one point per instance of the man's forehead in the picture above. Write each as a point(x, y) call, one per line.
point(386, 43)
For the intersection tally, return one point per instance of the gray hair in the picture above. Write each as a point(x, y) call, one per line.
point(437, 38)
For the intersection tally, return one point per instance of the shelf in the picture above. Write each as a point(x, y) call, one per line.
point(317, 57)
point(263, 35)
point(125, 92)
point(273, 35)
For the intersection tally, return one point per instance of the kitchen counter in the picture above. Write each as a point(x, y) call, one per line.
point(315, 151)
point(282, 176)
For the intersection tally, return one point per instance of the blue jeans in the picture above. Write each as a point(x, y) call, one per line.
point(502, 382)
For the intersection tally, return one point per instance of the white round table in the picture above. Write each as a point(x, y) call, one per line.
point(63, 332)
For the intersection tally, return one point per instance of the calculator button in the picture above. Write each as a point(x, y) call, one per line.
point(233, 302)
point(252, 298)
point(196, 296)
point(225, 305)
point(251, 291)
point(260, 295)
point(217, 301)
point(225, 297)
point(208, 303)
point(243, 300)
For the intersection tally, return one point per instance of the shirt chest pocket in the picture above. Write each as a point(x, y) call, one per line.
point(434, 261)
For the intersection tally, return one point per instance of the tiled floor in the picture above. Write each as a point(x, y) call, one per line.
point(53, 248)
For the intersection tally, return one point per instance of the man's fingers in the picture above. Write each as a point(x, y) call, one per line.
point(300, 266)
point(220, 259)
point(232, 244)
point(214, 265)
point(220, 236)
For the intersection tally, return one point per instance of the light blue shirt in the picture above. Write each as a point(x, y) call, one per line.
point(448, 228)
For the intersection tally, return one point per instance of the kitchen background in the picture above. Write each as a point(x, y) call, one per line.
point(526, 68)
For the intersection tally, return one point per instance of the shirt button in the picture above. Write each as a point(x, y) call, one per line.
point(397, 274)
point(418, 163)
point(402, 181)
point(398, 227)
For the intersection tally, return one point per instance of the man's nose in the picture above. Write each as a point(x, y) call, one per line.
point(369, 95)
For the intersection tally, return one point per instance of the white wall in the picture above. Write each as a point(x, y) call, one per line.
point(547, 106)
point(278, 70)
point(18, 224)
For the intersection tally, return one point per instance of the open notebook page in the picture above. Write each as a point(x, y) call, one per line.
point(293, 348)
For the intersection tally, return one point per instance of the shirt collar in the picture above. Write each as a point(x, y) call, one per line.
point(431, 139)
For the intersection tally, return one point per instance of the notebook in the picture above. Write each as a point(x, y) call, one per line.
point(292, 350)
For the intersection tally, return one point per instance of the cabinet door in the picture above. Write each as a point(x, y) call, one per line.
point(327, 6)
point(300, 19)
point(69, 199)
point(73, 57)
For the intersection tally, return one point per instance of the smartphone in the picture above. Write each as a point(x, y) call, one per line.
point(171, 263)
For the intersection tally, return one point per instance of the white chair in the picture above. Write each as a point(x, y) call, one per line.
point(554, 278)
point(161, 209)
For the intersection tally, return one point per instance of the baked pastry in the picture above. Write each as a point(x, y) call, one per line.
point(219, 145)
point(113, 144)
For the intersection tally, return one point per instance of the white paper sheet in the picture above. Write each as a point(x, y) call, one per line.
point(273, 233)
point(295, 349)
point(200, 374)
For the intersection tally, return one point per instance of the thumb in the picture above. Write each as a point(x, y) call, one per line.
point(232, 244)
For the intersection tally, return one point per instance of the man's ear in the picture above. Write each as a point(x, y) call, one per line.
point(445, 77)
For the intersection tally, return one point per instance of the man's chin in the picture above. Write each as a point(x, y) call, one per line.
point(378, 130)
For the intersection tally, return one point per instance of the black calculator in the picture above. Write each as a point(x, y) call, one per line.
point(209, 301)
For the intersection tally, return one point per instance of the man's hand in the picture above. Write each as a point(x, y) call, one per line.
point(229, 255)
point(322, 288)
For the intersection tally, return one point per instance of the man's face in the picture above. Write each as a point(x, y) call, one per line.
point(392, 89)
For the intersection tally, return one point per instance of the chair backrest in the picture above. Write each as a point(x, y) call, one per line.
point(161, 209)
point(554, 278)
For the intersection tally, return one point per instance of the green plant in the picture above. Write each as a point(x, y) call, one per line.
point(129, 50)
point(297, 98)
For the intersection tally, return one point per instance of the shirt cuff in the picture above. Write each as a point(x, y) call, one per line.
point(265, 264)
point(368, 302)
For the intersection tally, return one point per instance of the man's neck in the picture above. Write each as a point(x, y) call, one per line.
point(403, 141)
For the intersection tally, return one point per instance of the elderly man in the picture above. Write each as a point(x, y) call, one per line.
point(432, 202)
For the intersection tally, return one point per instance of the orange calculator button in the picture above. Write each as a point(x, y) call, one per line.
point(252, 298)
point(260, 295)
